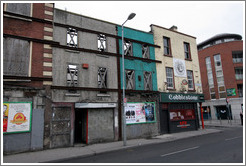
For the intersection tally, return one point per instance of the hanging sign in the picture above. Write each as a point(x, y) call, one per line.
point(179, 67)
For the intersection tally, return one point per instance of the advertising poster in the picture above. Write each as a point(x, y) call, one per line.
point(140, 113)
point(17, 117)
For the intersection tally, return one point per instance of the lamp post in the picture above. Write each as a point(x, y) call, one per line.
point(131, 16)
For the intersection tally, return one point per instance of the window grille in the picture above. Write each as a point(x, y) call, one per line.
point(145, 51)
point(72, 75)
point(187, 50)
point(147, 80)
point(190, 80)
point(102, 77)
point(167, 49)
point(101, 42)
point(72, 37)
point(130, 79)
point(169, 75)
point(128, 48)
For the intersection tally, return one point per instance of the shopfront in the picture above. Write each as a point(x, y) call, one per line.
point(179, 112)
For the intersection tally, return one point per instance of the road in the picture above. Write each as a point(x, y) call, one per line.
point(223, 147)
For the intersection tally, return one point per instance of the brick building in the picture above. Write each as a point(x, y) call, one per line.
point(221, 63)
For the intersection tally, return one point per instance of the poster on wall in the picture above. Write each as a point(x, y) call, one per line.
point(140, 113)
point(179, 67)
point(17, 117)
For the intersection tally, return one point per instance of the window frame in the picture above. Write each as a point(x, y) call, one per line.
point(130, 77)
point(168, 47)
point(187, 52)
point(210, 74)
point(102, 41)
point(145, 51)
point(173, 82)
point(69, 36)
point(29, 15)
point(128, 49)
point(239, 76)
point(235, 56)
point(148, 83)
point(192, 75)
point(220, 84)
point(72, 84)
point(102, 79)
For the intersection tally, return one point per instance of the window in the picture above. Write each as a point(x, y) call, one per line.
point(16, 57)
point(187, 51)
point(72, 75)
point(167, 47)
point(184, 114)
point(102, 77)
point(219, 76)
point(169, 75)
point(240, 90)
point(72, 37)
point(147, 80)
point(101, 42)
point(128, 48)
point(210, 78)
point(237, 56)
point(130, 79)
point(19, 8)
point(190, 80)
point(239, 73)
point(145, 51)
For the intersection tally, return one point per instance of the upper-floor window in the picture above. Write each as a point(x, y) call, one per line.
point(187, 51)
point(128, 48)
point(219, 76)
point(210, 78)
point(101, 42)
point(16, 57)
point(130, 79)
point(237, 56)
point(145, 51)
point(240, 90)
point(147, 80)
point(169, 77)
point(19, 8)
point(102, 77)
point(72, 75)
point(190, 80)
point(167, 46)
point(72, 37)
point(239, 73)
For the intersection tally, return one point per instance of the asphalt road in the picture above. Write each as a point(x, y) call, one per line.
point(223, 147)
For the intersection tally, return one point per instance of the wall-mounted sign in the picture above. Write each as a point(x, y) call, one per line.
point(184, 82)
point(140, 113)
point(231, 92)
point(17, 117)
point(179, 67)
point(180, 97)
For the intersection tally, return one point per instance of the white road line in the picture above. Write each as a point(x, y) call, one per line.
point(228, 139)
point(180, 151)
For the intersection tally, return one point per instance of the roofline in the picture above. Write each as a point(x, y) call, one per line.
point(173, 31)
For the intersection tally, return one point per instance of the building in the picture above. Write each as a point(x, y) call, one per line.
point(142, 95)
point(27, 32)
point(221, 62)
point(178, 80)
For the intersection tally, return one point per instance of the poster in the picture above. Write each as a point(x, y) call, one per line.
point(140, 113)
point(17, 117)
point(179, 67)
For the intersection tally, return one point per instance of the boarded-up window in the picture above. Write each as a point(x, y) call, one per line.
point(147, 80)
point(16, 57)
point(102, 77)
point(72, 75)
point(130, 79)
point(128, 48)
point(145, 51)
point(19, 8)
point(101, 42)
point(72, 37)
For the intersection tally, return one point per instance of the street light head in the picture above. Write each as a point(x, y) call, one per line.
point(131, 16)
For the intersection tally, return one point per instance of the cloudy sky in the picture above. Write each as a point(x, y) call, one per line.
point(199, 19)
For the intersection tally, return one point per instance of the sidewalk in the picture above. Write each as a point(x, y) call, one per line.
point(223, 123)
point(55, 155)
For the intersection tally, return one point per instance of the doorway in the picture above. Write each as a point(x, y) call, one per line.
point(80, 133)
point(223, 112)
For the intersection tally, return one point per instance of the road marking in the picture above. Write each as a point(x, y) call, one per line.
point(228, 139)
point(180, 151)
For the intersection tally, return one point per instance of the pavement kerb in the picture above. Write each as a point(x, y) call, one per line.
point(143, 142)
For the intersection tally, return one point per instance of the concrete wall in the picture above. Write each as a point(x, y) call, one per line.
point(177, 40)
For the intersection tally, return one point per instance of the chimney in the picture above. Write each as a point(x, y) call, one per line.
point(174, 28)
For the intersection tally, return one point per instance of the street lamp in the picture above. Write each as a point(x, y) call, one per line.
point(131, 16)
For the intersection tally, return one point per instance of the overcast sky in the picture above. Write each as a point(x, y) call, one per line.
point(199, 19)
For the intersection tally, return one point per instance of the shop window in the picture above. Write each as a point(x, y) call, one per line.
point(101, 42)
point(145, 51)
point(190, 80)
point(15, 58)
point(102, 77)
point(72, 37)
point(72, 75)
point(147, 80)
point(187, 51)
point(184, 114)
point(167, 46)
point(128, 48)
point(19, 8)
point(206, 112)
point(239, 73)
point(130, 79)
point(237, 57)
point(170, 79)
